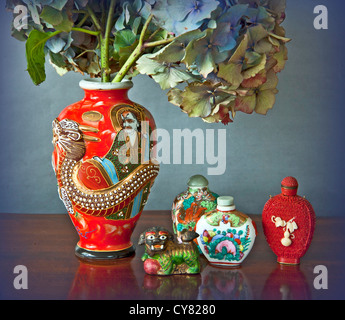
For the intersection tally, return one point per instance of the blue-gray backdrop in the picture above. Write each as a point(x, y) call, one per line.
point(302, 136)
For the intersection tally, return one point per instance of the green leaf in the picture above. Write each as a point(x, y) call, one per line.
point(35, 55)
point(284, 39)
point(59, 4)
point(93, 68)
point(124, 38)
point(263, 46)
point(175, 51)
point(274, 41)
point(259, 40)
point(231, 72)
point(255, 81)
point(167, 75)
point(148, 66)
point(58, 63)
point(240, 52)
point(204, 53)
point(124, 53)
point(51, 15)
point(252, 58)
point(124, 44)
point(190, 53)
point(61, 20)
point(260, 99)
point(136, 24)
point(158, 35)
point(221, 113)
point(206, 63)
point(175, 96)
point(202, 99)
point(245, 104)
point(57, 59)
point(265, 101)
point(272, 81)
point(251, 72)
point(256, 34)
point(197, 99)
point(66, 24)
point(281, 57)
point(171, 76)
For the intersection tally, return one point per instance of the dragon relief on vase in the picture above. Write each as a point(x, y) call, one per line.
point(115, 185)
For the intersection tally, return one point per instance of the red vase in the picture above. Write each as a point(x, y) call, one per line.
point(288, 222)
point(103, 161)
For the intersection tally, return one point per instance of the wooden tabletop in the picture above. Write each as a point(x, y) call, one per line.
point(44, 244)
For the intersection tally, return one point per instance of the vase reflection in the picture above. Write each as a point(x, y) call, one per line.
point(124, 280)
point(115, 281)
point(224, 284)
point(286, 282)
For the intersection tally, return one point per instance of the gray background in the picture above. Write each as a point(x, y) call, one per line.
point(302, 136)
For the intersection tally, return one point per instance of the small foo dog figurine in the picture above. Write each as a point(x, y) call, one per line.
point(165, 257)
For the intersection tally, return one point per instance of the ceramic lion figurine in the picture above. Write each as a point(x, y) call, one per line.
point(165, 257)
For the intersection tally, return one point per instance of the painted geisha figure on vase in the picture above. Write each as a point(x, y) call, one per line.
point(130, 149)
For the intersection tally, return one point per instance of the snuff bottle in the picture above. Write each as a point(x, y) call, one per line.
point(190, 205)
point(226, 234)
point(288, 222)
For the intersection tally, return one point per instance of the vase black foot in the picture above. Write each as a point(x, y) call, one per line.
point(102, 256)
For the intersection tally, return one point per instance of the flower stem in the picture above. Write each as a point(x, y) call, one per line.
point(105, 44)
point(128, 64)
point(93, 33)
point(94, 18)
point(82, 21)
point(159, 42)
point(135, 54)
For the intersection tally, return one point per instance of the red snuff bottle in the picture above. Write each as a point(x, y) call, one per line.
point(288, 222)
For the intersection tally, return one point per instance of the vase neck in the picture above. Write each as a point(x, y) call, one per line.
point(96, 90)
point(114, 94)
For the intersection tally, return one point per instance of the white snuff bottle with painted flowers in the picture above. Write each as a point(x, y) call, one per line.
point(226, 234)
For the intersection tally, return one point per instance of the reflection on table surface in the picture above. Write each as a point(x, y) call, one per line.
point(119, 281)
point(45, 245)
